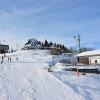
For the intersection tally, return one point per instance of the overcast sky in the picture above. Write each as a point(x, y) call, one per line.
point(54, 20)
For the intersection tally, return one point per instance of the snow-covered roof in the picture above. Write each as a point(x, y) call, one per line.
point(89, 53)
point(53, 46)
point(32, 42)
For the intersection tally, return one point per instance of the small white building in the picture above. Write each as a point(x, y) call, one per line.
point(94, 60)
point(89, 57)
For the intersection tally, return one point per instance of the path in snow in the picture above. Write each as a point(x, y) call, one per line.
point(27, 80)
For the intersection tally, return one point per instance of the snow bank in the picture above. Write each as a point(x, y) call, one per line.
point(87, 86)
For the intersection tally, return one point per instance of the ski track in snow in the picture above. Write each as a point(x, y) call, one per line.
point(26, 79)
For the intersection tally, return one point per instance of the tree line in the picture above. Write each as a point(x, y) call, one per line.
point(49, 44)
point(63, 47)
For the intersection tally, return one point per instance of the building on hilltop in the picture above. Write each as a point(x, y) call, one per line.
point(32, 44)
point(55, 50)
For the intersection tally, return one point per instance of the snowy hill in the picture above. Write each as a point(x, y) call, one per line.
point(28, 79)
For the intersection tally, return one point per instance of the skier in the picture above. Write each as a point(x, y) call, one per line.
point(1, 61)
point(2, 57)
point(16, 58)
point(10, 59)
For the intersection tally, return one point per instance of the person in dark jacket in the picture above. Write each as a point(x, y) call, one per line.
point(10, 59)
point(16, 58)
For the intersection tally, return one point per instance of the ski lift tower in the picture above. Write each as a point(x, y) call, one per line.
point(78, 37)
point(77, 43)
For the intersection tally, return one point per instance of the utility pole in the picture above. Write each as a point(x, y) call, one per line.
point(77, 43)
point(75, 37)
point(4, 47)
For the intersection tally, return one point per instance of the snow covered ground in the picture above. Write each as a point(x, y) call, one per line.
point(28, 79)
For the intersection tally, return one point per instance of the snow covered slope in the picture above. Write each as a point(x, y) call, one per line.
point(26, 79)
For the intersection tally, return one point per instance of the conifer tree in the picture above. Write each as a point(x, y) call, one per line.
point(46, 43)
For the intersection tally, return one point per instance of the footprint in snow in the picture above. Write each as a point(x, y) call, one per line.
point(34, 90)
point(34, 99)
